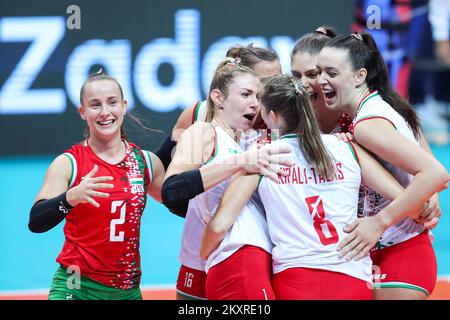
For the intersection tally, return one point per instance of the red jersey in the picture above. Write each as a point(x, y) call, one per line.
point(104, 242)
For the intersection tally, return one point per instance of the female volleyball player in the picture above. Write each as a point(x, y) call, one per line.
point(99, 187)
point(304, 68)
point(191, 282)
point(307, 210)
point(208, 154)
point(354, 80)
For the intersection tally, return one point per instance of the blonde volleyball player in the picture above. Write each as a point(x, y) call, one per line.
point(307, 210)
point(208, 154)
point(191, 282)
point(264, 62)
point(354, 79)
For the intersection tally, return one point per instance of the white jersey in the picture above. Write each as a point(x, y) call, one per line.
point(306, 213)
point(194, 225)
point(373, 106)
point(191, 239)
point(247, 139)
point(250, 228)
point(200, 111)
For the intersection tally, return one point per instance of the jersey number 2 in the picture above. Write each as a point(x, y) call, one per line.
point(114, 222)
point(315, 206)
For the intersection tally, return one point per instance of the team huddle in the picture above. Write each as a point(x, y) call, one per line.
point(318, 185)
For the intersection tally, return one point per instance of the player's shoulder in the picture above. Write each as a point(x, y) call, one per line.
point(201, 127)
point(62, 166)
point(63, 159)
point(77, 147)
point(332, 141)
point(199, 111)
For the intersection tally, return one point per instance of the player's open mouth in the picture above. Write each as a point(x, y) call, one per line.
point(313, 96)
point(106, 122)
point(329, 94)
point(250, 116)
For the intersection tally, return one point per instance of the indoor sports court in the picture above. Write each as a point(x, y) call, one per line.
point(165, 57)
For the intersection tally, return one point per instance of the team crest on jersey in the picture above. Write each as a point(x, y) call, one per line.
point(234, 151)
point(137, 184)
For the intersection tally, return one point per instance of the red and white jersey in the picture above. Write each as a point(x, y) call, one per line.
point(194, 225)
point(371, 107)
point(247, 138)
point(191, 239)
point(250, 228)
point(200, 111)
point(104, 242)
point(306, 213)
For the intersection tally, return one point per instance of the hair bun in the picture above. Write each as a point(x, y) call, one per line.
point(321, 30)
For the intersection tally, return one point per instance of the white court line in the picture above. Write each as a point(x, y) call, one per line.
point(155, 287)
point(32, 292)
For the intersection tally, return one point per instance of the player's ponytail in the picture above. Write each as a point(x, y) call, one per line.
point(285, 96)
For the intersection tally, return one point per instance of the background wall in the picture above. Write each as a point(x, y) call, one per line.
point(162, 52)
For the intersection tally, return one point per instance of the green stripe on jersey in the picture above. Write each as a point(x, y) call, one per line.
point(148, 161)
point(353, 151)
point(402, 285)
point(370, 96)
point(136, 181)
point(151, 165)
point(197, 108)
point(290, 136)
point(73, 174)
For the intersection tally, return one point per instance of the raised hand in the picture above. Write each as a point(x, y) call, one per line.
point(87, 189)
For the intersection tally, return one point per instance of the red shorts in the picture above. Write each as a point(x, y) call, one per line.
point(245, 275)
point(191, 283)
point(317, 284)
point(410, 264)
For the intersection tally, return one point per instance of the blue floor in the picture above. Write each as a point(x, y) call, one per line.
point(27, 260)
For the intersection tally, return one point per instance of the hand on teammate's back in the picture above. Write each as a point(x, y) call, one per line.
point(364, 233)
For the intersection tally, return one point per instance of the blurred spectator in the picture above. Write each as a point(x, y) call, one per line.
point(434, 65)
point(405, 38)
point(439, 16)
